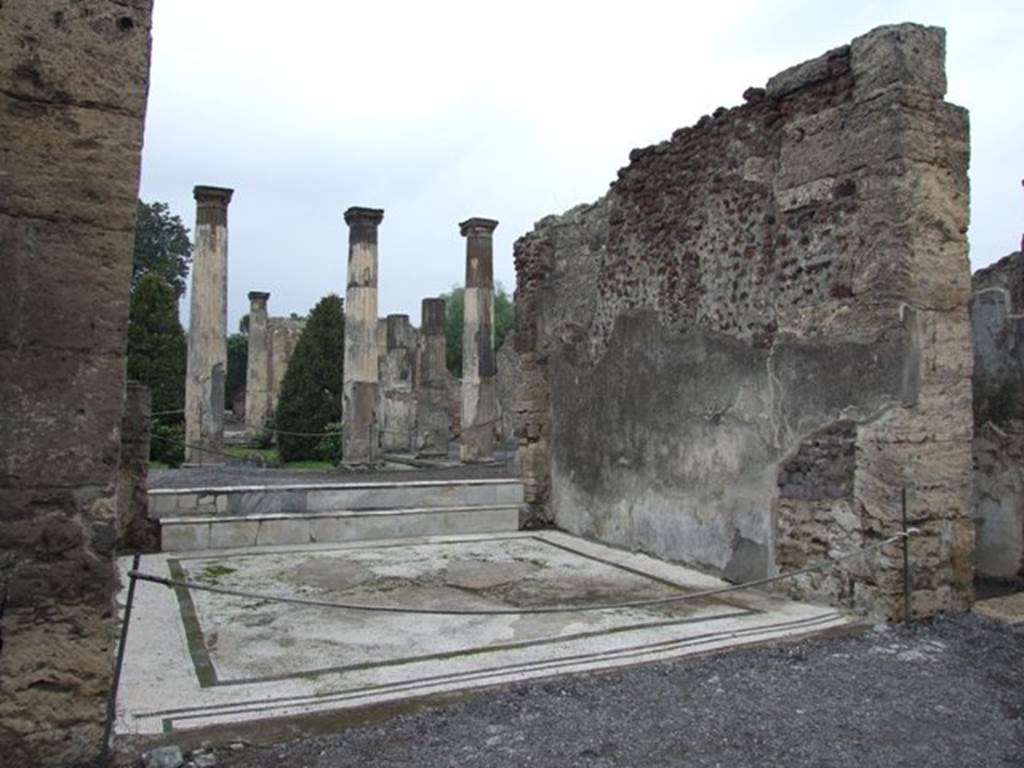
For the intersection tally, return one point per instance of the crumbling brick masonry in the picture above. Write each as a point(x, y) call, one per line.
point(740, 355)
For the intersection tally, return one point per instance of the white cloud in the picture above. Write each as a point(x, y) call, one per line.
point(439, 111)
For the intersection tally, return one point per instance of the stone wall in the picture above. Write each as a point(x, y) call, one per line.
point(997, 319)
point(507, 381)
point(135, 531)
point(282, 335)
point(701, 346)
point(73, 84)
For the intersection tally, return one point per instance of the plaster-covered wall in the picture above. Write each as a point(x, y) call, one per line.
point(752, 297)
point(997, 319)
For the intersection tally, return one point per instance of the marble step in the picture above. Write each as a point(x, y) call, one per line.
point(310, 499)
point(201, 532)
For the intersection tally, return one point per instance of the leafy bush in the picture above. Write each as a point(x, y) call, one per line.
point(329, 447)
point(312, 388)
point(167, 443)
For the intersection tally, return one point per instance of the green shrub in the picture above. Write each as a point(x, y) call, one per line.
point(312, 388)
point(329, 447)
point(167, 443)
point(156, 343)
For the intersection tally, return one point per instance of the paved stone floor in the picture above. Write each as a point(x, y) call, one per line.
point(205, 663)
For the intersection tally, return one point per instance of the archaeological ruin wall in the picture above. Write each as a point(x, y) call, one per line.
point(73, 84)
point(997, 320)
point(741, 354)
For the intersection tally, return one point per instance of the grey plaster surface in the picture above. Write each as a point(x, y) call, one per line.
point(947, 693)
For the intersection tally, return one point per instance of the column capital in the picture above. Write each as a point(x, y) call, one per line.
point(364, 216)
point(219, 196)
point(477, 226)
point(258, 295)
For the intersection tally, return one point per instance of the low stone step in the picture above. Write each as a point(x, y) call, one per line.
point(310, 499)
point(199, 532)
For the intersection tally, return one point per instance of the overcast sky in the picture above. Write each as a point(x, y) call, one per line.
point(438, 111)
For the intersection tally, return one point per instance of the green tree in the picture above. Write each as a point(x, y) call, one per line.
point(312, 388)
point(156, 357)
point(238, 362)
point(162, 246)
point(455, 303)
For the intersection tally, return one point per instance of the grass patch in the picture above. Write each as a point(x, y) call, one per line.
point(213, 571)
point(310, 464)
point(268, 455)
point(158, 465)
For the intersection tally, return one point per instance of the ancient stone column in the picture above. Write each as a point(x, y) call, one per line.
point(397, 382)
point(207, 329)
point(432, 421)
point(359, 406)
point(479, 403)
point(257, 374)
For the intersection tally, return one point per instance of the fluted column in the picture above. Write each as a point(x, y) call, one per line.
point(479, 402)
point(257, 374)
point(359, 406)
point(207, 332)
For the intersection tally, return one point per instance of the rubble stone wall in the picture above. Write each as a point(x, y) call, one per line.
point(73, 85)
point(752, 296)
point(282, 335)
point(507, 382)
point(997, 320)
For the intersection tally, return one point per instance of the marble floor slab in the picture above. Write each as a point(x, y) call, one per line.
point(201, 660)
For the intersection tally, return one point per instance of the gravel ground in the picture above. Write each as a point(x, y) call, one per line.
point(237, 474)
point(948, 692)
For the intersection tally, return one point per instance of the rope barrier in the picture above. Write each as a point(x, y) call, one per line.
point(135, 574)
point(167, 413)
point(205, 449)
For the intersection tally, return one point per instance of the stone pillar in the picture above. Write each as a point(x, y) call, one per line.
point(73, 98)
point(397, 382)
point(359, 405)
point(135, 531)
point(479, 403)
point(432, 421)
point(208, 327)
point(257, 375)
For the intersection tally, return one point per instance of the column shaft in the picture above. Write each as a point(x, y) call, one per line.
point(359, 406)
point(207, 335)
point(479, 402)
point(257, 375)
point(433, 423)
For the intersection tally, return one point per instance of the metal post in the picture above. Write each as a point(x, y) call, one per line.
point(906, 559)
point(112, 703)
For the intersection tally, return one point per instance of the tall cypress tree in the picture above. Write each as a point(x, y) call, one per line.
point(156, 342)
point(156, 356)
point(312, 388)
